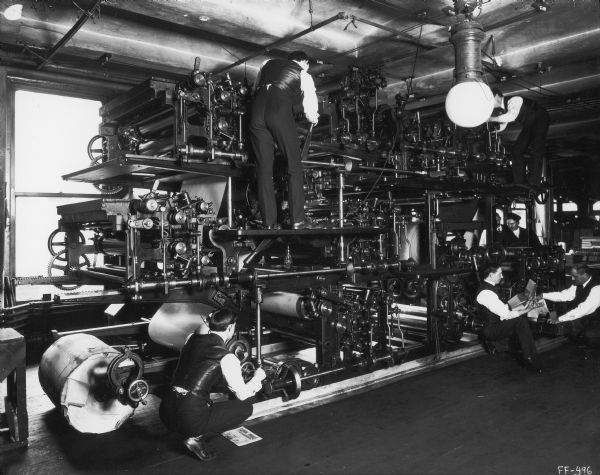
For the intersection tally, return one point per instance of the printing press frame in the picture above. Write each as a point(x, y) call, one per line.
point(377, 297)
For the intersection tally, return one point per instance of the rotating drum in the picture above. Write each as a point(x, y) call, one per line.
point(173, 322)
point(70, 373)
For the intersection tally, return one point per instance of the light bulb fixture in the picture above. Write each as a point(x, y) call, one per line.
point(470, 101)
point(13, 12)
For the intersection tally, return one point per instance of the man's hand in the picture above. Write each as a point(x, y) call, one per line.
point(313, 119)
point(553, 320)
point(260, 374)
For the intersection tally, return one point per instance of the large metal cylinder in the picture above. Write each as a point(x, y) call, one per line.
point(173, 322)
point(69, 373)
point(283, 303)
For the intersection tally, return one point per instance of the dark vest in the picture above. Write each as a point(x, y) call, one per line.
point(484, 314)
point(582, 293)
point(199, 366)
point(529, 111)
point(526, 238)
point(283, 74)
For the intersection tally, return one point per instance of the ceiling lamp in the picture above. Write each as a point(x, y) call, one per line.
point(14, 12)
point(470, 102)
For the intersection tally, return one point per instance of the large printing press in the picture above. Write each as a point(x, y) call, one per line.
point(405, 208)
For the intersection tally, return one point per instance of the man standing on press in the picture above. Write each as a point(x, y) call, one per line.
point(534, 120)
point(281, 87)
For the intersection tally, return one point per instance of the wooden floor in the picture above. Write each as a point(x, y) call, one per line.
point(480, 416)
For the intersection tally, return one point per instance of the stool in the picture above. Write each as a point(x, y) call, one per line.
point(12, 368)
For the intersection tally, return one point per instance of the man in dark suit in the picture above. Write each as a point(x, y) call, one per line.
point(500, 322)
point(281, 87)
point(584, 299)
point(206, 366)
point(515, 236)
point(534, 120)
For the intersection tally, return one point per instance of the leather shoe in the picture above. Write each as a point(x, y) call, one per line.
point(197, 445)
point(304, 225)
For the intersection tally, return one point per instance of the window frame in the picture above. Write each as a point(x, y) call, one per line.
point(16, 83)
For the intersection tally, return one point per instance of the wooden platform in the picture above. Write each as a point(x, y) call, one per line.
point(480, 416)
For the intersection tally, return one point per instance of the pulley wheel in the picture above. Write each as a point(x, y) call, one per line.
point(288, 380)
point(64, 269)
point(57, 242)
point(138, 390)
point(97, 149)
point(127, 366)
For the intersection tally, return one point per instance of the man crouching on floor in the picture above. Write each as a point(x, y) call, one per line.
point(500, 322)
point(206, 365)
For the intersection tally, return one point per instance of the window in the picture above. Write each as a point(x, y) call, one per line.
point(51, 137)
point(569, 207)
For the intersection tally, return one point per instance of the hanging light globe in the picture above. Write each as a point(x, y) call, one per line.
point(470, 101)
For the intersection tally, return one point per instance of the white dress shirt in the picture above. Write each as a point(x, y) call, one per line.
point(513, 107)
point(492, 302)
point(587, 307)
point(309, 97)
point(232, 372)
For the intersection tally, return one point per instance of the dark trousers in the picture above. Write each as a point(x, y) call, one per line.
point(533, 136)
point(272, 122)
point(192, 416)
point(518, 327)
point(585, 330)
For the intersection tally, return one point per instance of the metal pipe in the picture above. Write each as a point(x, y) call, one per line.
point(341, 215)
point(323, 373)
point(191, 152)
point(431, 230)
point(267, 49)
point(184, 119)
point(112, 270)
point(131, 254)
point(322, 164)
point(229, 202)
point(258, 298)
point(69, 34)
point(198, 248)
point(434, 150)
point(99, 275)
point(164, 248)
point(397, 34)
point(390, 170)
point(210, 115)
